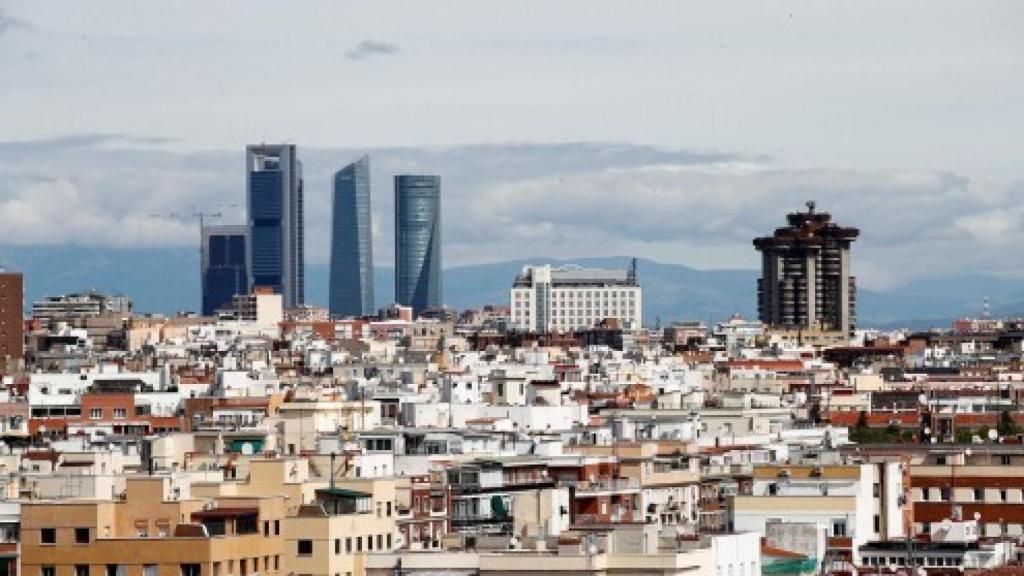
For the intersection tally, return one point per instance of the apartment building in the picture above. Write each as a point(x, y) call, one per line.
point(983, 482)
point(856, 503)
point(421, 511)
point(600, 550)
point(344, 522)
point(152, 532)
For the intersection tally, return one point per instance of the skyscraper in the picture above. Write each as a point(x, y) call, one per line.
point(352, 242)
point(275, 207)
point(223, 265)
point(418, 242)
point(805, 279)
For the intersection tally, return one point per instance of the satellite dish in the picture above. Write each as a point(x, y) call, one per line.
point(247, 449)
point(992, 434)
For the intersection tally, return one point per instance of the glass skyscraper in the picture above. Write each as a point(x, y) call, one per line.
point(351, 290)
point(223, 265)
point(418, 242)
point(275, 207)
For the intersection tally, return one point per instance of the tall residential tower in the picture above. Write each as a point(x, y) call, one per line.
point(12, 319)
point(418, 242)
point(351, 291)
point(275, 208)
point(805, 279)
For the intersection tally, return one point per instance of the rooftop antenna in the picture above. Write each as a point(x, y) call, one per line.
point(632, 271)
point(810, 206)
point(986, 309)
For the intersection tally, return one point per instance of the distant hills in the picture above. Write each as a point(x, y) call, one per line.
point(167, 280)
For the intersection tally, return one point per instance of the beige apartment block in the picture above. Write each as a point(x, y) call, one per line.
point(149, 533)
point(332, 535)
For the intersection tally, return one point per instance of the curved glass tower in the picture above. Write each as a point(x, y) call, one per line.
point(352, 242)
point(418, 242)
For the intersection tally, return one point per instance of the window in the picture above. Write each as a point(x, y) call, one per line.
point(979, 494)
point(924, 494)
point(116, 570)
point(191, 570)
point(337, 545)
point(305, 547)
point(277, 527)
point(878, 523)
point(48, 536)
point(380, 541)
point(359, 544)
point(1004, 460)
point(940, 460)
point(120, 413)
point(369, 543)
point(389, 509)
point(389, 541)
point(82, 570)
point(944, 494)
point(839, 528)
point(266, 527)
point(81, 535)
point(1002, 495)
point(348, 544)
point(47, 571)
point(95, 413)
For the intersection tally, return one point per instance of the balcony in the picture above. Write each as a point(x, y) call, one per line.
point(470, 519)
point(605, 486)
point(600, 519)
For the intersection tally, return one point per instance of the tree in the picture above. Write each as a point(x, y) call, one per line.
point(964, 435)
point(862, 421)
point(1007, 426)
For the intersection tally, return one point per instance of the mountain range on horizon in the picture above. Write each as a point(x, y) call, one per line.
point(166, 280)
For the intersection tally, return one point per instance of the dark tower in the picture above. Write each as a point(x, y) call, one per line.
point(805, 279)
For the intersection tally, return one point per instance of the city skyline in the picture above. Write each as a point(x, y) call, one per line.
point(918, 124)
point(583, 287)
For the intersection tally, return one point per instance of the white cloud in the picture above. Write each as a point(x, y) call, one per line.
point(522, 201)
point(370, 48)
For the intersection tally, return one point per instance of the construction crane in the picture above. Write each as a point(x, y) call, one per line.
point(201, 215)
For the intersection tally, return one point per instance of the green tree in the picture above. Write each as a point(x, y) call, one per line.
point(964, 435)
point(1007, 426)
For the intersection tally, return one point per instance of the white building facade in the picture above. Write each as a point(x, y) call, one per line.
point(546, 299)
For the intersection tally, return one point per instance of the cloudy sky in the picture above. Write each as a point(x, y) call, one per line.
point(693, 126)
